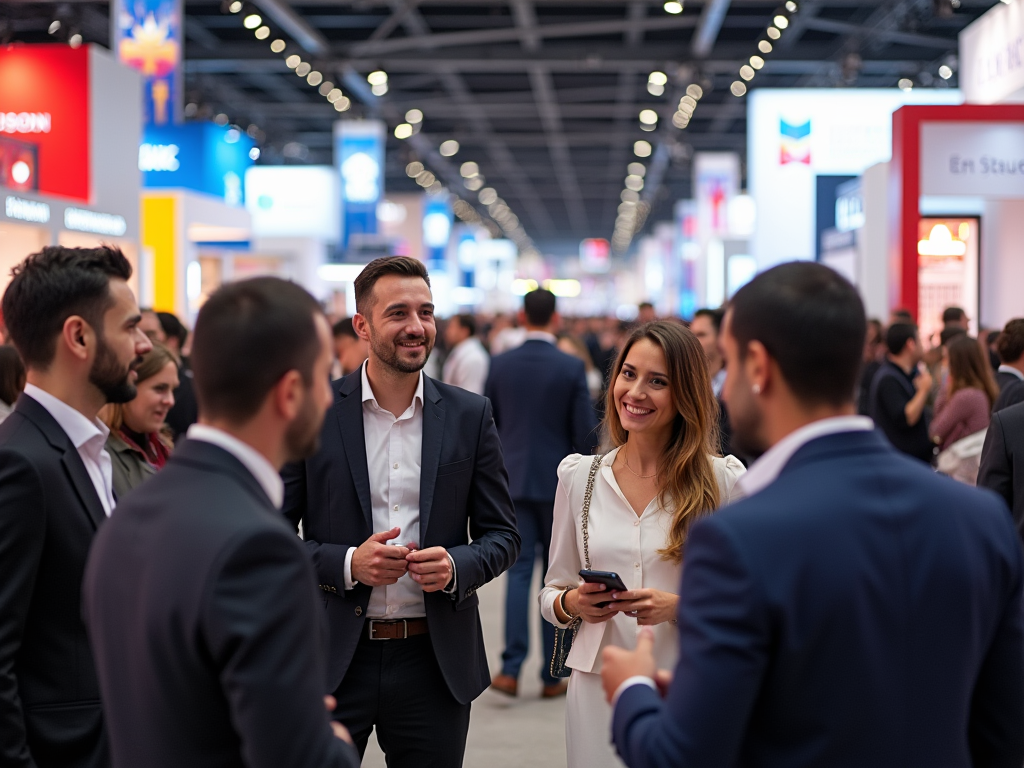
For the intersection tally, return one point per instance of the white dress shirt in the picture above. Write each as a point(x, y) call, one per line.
point(89, 436)
point(257, 464)
point(618, 541)
point(467, 366)
point(718, 382)
point(1012, 371)
point(394, 452)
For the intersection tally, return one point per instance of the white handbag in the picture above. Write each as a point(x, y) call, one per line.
point(962, 459)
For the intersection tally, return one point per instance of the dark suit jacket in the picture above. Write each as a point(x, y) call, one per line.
point(543, 412)
point(1011, 394)
point(860, 611)
point(203, 613)
point(1002, 459)
point(463, 493)
point(49, 512)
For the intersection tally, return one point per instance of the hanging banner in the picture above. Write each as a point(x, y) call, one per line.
point(359, 156)
point(716, 181)
point(147, 36)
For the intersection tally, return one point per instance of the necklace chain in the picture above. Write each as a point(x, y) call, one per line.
point(642, 477)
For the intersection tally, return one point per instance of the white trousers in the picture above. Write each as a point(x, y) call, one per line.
point(588, 724)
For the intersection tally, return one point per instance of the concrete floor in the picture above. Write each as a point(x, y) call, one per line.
point(506, 732)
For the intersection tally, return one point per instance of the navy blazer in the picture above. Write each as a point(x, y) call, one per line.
point(1002, 459)
point(49, 513)
point(543, 411)
point(204, 618)
point(463, 493)
point(860, 611)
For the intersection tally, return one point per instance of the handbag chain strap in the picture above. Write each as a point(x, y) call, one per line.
point(586, 508)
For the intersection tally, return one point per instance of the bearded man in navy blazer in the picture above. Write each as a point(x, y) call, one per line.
point(856, 609)
point(408, 470)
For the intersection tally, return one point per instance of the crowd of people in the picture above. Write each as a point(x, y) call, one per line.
point(757, 528)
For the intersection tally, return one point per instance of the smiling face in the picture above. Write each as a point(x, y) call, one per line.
point(642, 391)
point(400, 324)
point(148, 411)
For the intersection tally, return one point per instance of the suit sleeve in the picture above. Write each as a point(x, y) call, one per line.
point(723, 653)
point(22, 532)
point(294, 507)
point(997, 708)
point(492, 518)
point(260, 626)
point(996, 471)
point(584, 420)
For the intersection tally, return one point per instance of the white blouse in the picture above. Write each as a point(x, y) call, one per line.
point(619, 541)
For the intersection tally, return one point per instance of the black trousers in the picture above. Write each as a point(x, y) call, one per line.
point(397, 686)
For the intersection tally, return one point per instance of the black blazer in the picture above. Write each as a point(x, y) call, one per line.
point(463, 493)
point(543, 412)
point(202, 610)
point(1002, 459)
point(49, 512)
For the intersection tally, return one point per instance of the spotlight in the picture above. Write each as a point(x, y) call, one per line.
point(293, 61)
point(469, 170)
point(673, 7)
point(277, 46)
point(764, 46)
point(414, 116)
point(414, 169)
point(252, 21)
point(254, 153)
point(325, 88)
point(781, 22)
point(377, 78)
point(648, 117)
point(449, 148)
point(263, 33)
point(379, 89)
point(334, 94)
point(658, 78)
point(342, 104)
point(642, 148)
point(403, 131)
point(54, 27)
point(738, 88)
point(905, 84)
point(314, 78)
point(303, 69)
point(774, 33)
point(791, 6)
point(235, 7)
point(694, 91)
point(75, 40)
point(945, 72)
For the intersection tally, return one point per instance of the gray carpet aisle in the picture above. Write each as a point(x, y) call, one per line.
point(505, 732)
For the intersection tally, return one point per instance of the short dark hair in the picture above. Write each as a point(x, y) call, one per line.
point(714, 315)
point(953, 315)
point(897, 336)
point(645, 305)
point(903, 315)
point(811, 321)
point(467, 321)
point(344, 327)
point(1010, 344)
point(50, 286)
point(403, 266)
point(173, 327)
point(12, 374)
point(949, 333)
point(247, 336)
point(539, 306)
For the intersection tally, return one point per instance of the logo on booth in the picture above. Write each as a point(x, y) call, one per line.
point(795, 143)
point(159, 157)
point(25, 122)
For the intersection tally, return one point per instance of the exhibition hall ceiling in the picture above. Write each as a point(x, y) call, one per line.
point(545, 99)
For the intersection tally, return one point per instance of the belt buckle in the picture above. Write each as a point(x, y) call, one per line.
point(405, 627)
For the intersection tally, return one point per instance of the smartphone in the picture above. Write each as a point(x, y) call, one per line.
point(610, 579)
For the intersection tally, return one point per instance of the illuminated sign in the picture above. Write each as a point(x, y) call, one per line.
point(26, 210)
point(158, 157)
point(97, 223)
point(992, 56)
point(148, 38)
point(25, 122)
point(44, 101)
point(293, 201)
point(359, 156)
point(200, 156)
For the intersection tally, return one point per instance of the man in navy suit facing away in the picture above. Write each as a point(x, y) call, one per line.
point(855, 609)
point(543, 412)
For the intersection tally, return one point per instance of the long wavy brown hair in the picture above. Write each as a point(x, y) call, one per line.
point(968, 368)
point(689, 489)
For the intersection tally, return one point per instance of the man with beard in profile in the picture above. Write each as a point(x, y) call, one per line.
point(201, 604)
point(409, 469)
point(74, 320)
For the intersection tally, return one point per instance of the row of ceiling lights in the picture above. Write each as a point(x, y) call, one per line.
point(74, 36)
point(764, 47)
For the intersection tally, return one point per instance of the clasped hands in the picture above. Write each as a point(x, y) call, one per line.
point(377, 564)
point(647, 606)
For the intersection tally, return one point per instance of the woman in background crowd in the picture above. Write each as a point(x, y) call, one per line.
point(140, 442)
point(12, 379)
point(573, 345)
point(662, 473)
point(964, 404)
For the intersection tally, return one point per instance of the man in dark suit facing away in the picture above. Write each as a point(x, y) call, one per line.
point(74, 320)
point(1002, 460)
point(543, 411)
point(408, 470)
point(855, 609)
point(201, 603)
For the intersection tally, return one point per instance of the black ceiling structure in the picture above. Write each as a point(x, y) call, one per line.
point(543, 95)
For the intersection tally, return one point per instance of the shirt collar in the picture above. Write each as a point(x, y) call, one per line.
point(79, 428)
point(1012, 371)
point(257, 464)
point(550, 338)
point(766, 469)
point(368, 395)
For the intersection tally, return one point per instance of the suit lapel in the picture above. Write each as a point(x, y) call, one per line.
point(349, 412)
point(433, 434)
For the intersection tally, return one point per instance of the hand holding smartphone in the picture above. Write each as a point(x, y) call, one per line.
point(611, 580)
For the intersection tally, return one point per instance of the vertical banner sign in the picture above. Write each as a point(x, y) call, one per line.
point(147, 36)
point(359, 156)
point(437, 229)
point(716, 181)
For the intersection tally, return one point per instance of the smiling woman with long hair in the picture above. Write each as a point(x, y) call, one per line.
point(662, 473)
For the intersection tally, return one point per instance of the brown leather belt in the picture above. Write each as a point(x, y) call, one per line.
point(396, 629)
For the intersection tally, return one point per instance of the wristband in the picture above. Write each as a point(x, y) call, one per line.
point(561, 604)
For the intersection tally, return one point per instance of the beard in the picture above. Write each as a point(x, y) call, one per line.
point(110, 376)
point(387, 352)
point(747, 424)
point(302, 438)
